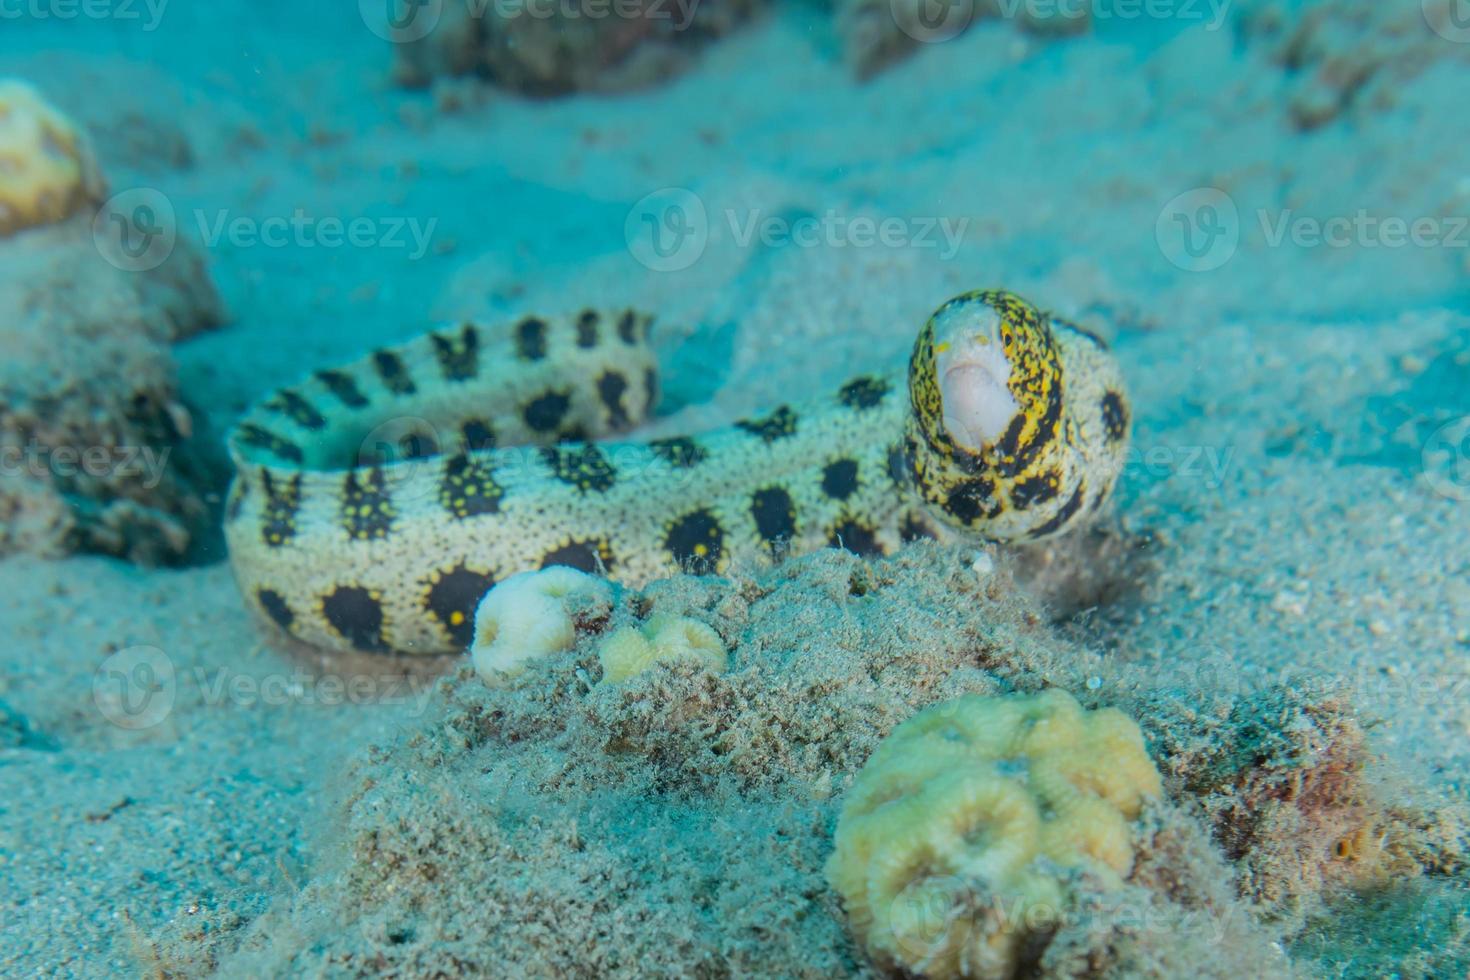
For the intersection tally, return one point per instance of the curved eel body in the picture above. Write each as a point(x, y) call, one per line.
point(375, 504)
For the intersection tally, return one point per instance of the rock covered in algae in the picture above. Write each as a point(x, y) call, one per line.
point(97, 451)
point(1352, 56)
point(878, 33)
point(541, 47)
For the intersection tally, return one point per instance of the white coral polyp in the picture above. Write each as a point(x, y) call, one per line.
point(528, 617)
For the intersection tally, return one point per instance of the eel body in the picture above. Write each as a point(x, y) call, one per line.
point(374, 504)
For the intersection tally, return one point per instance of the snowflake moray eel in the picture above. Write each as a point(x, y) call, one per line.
point(374, 504)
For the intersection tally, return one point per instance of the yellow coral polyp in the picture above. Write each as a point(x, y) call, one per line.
point(953, 843)
point(630, 650)
point(47, 170)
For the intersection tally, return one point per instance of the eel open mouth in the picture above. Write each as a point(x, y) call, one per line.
point(973, 376)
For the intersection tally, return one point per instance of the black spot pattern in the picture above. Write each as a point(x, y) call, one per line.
point(544, 413)
point(1073, 504)
point(253, 435)
point(276, 608)
point(774, 513)
point(696, 541)
point(357, 616)
point(531, 339)
point(855, 536)
point(452, 598)
point(587, 329)
point(628, 327)
point(468, 488)
point(610, 388)
point(239, 492)
point(297, 409)
point(680, 451)
point(914, 528)
point(367, 509)
point(862, 393)
point(458, 360)
point(592, 555)
point(477, 435)
point(900, 469)
point(780, 424)
point(344, 387)
point(282, 501)
point(650, 387)
point(1035, 490)
point(840, 478)
point(1017, 456)
point(587, 468)
point(394, 375)
point(1114, 416)
point(972, 500)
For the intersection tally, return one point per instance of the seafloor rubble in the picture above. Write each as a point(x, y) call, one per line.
point(877, 33)
point(1348, 56)
point(540, 47)
point(678, 822)
point(95, 444)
